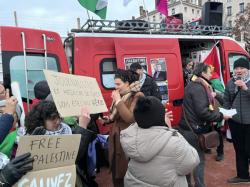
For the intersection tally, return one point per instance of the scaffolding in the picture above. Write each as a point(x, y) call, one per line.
point(144, 27)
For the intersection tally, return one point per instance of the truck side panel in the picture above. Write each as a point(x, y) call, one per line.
point(157, 51)
point(95, 57)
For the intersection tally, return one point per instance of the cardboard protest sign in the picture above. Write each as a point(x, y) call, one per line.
point(50, 151)
point(72, 92)
point(56, 177)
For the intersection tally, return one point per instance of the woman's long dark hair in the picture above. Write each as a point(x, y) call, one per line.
point(126, 75)
point(199, 68)
point(44, 110)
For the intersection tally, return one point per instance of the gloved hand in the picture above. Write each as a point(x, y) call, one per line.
point(39, 131)
point(15, 169)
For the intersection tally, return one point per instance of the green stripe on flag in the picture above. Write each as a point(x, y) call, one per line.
point(91, 6)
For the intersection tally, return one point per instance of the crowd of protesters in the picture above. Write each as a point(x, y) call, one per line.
point(143, 148)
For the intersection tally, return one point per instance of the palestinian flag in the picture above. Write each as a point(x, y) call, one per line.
point(99, 7)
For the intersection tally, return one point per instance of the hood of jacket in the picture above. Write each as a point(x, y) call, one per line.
point(144, 144)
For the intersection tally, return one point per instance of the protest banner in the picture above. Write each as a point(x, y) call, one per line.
point(54, 160)
point(72, 92)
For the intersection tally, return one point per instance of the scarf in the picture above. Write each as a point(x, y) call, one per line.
point(62, 129)
point(7, 145)
point(142, 80)
point(208, 89)
point(133, 88)
point(245, 77)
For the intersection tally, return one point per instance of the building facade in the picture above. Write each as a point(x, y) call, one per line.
point(232, 9)
point(188, 10)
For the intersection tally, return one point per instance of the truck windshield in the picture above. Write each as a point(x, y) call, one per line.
point(35, 66)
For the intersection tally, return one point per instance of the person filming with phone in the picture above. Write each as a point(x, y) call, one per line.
point(237, 96)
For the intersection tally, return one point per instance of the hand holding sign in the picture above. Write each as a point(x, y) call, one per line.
point(54, 159)
point(84, 118)
point(16, 168)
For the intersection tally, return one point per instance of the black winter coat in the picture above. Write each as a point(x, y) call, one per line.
point(196, 107)
point(150, 88)
point(87, 137)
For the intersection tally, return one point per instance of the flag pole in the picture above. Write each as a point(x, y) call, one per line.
point(92, 29)
point(147, 16)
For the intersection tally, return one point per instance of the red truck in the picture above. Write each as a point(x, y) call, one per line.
point(97, 52)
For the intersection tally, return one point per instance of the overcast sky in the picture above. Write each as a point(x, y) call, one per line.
point(60, 15)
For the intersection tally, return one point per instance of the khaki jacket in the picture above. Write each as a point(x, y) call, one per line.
point(117, 160)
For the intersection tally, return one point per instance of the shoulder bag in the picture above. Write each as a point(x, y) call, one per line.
point(207, 140)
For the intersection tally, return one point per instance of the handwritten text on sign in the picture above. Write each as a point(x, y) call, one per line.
point(72, 92)
point(56, 177)
point(50, 151)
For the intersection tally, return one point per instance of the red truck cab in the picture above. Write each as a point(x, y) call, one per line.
point(24, 55)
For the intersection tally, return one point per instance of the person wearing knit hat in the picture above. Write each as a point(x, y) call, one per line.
point(159, 156)
point(237, 96)
point(149, 112)
point(242, 62)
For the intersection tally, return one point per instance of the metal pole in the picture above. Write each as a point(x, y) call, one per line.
point(26, 70)
point(78, 23)
point(15, 17)
point(45, 51)
point(90, 21)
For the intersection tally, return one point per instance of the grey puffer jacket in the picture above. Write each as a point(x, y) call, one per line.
point(239, 100)
point(158, 156)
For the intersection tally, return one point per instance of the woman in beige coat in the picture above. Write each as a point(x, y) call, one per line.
point(124, 98)
point(159, 156)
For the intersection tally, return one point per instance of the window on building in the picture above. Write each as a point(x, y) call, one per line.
point(229, 11)
point(229, 1)
point(229, 23)
point(154, 18)
point(108, 68)
point(241, 7)
point(192, 11)
point(173, 11)
point(196, 2)
point(198, 11)
point(185, 9)
point(160, 15)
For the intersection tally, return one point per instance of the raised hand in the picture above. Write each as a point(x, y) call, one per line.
point(84, 118)
point(168, 118)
